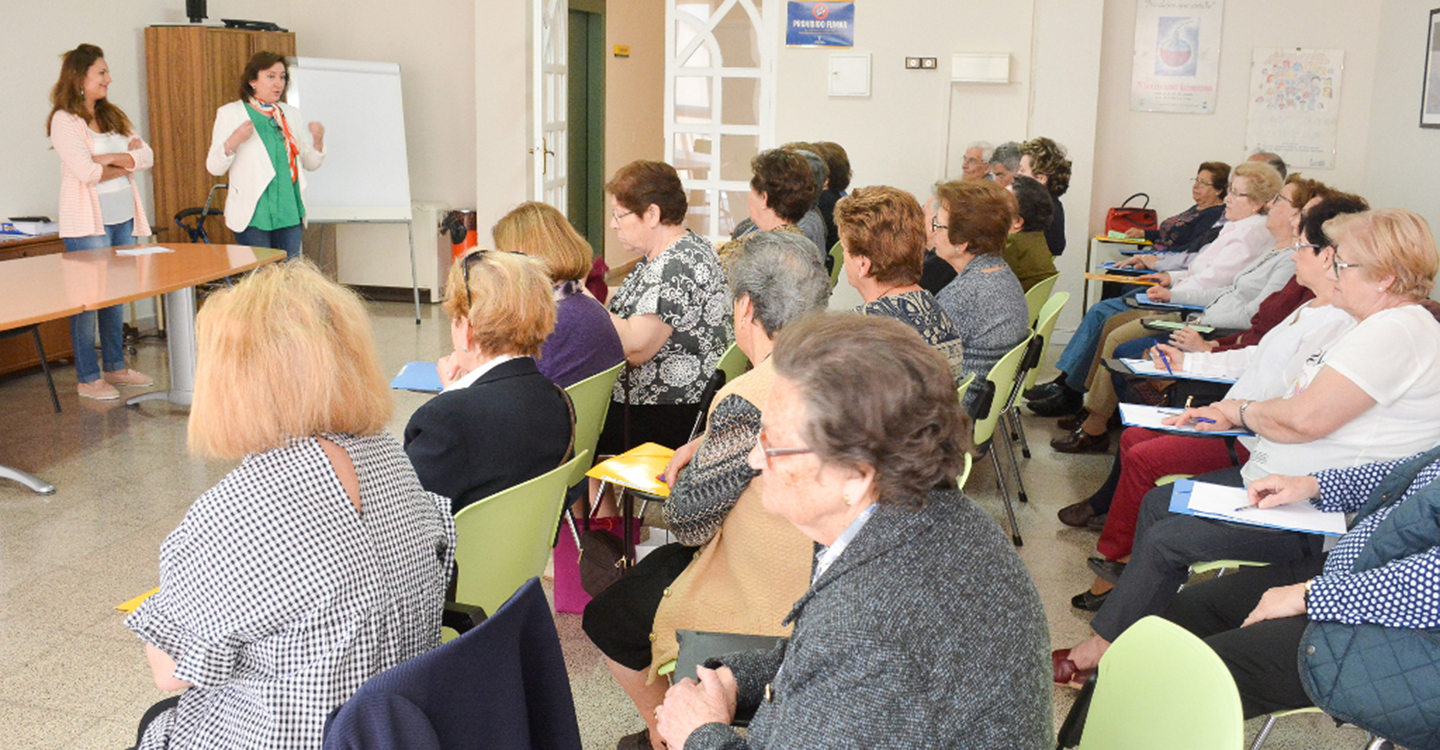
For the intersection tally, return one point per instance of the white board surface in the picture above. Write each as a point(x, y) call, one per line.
point(366, 174)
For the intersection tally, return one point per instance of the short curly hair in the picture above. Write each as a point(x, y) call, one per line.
point(886, 225)
point(784, 177)
point(981, 213)
point(839, 163)
point(896, 412)
point(640, 184)
point(1048, 158)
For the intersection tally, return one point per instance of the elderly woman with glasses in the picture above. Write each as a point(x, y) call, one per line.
point(672, 311)
point(1178, 232)
point(1371, 395)
point(499, 421)
point(921, 627)
point(751, 565)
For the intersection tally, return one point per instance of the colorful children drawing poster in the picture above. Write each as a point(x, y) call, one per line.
point(1177, 56)
point(1295, 104)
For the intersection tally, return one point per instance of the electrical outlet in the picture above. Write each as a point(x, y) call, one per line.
point(912, 63)
point(927, 63)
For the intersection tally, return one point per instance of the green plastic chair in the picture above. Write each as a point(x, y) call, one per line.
point(960, 391)
point(733, 363)
point(1160, 686)
point(1002, 378)
point(1038, 295)
point(505, 539)
point(965, 474)
point(837, 261)
point(591, 398)
point(1030, 368)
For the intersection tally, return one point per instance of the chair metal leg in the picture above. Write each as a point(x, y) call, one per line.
point(1379, 743)
point(1020, 430)
point(1014, 463)
point(45, 366)
point(1264, 732)
point(1005, 492)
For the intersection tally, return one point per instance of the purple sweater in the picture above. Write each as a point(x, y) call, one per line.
point(584, 341)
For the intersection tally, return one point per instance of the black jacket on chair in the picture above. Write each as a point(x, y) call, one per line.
point(510, 426)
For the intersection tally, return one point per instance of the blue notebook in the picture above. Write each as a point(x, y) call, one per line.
point(1111, 266)
point(423, 377)
point(1144, 300)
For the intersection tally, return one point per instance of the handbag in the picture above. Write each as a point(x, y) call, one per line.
point(602, 559)
point(1125, 216)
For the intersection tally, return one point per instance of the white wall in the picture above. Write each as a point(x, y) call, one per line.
point(1403, 156)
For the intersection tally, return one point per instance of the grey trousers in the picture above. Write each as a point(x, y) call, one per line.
point(1166, 544)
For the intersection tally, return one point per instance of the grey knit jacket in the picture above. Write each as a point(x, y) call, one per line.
point(926, 632)
point(1233, 306)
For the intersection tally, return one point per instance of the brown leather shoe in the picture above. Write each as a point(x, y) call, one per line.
point(1077, 514)
point(1073, 421)
point(1079, 442)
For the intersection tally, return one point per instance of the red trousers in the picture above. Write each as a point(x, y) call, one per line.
point(1145, 456)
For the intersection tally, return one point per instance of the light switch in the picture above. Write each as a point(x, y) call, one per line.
point(850, 74)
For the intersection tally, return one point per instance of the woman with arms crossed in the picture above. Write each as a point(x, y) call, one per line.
point(263, 142)
point(99, 205)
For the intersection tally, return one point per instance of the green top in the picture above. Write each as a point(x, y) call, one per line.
point(279, 206)
point(1029, 257)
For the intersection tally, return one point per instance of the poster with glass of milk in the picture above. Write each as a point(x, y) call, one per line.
point(1177, 56)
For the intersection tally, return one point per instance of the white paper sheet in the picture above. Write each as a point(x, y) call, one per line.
point(1219, 501)
point(1140, 415)
point(149, 250)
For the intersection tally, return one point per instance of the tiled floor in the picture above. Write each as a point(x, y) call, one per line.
point(71, 676)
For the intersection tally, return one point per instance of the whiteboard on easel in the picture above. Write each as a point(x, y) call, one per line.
point(366, 174)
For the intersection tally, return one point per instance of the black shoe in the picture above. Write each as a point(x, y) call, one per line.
point(1107, 570)
point(1073, 422)
point(1063, 404)
point(1089, 602)
point(1043, 391)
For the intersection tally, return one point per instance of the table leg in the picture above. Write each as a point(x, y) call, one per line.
point(180, 339)
point(29, 480)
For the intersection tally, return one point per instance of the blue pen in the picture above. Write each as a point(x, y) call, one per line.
point(1166, 361)
point(1206, 420)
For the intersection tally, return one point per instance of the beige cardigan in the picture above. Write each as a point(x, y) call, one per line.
point(79, 174)
point(750, 574)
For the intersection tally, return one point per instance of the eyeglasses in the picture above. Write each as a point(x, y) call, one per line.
point(768, 453)
point(1337, 265)
point(1313, 247)
point(1202, 183)
point(469, 260)
point(935, 224)
point(1233, 194)
point(620, 215)
point(1281, 197)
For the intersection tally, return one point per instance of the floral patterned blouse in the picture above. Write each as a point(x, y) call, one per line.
point(685, 286)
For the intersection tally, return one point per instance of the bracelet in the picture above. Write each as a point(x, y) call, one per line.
point(1243, 404)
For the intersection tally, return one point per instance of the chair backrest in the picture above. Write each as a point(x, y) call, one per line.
point(964, 386)
point(1035, 298)
point(965, 474)
point(1002, 380)
point(733, 362)
point(837, 260)
point(1160, 686)
point(591, 398)
point(504, 540)
point(1045, 326)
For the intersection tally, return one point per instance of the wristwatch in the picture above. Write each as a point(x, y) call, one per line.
point(1308, 584)
point(1243, 405)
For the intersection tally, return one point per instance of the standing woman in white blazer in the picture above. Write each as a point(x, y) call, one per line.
point(263, 143)
point(99, 205)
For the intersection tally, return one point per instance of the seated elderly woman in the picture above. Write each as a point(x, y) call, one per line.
point(499, 421)
point(859, 449)
point(969, 221)
point(1179, 232)
point(751, 565)
point(1276, 627)
point(1242, 239)
point(584, 342)
point(278, 597)
point(782, 192)
point(1026, 251)
point(882, 231)
point(1264, 371)
point(672, 311)
point(1371, 395)
point(1044, 160)
point(1229, 307)
point(837, 181)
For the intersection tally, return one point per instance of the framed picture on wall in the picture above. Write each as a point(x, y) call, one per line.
point(1430, 96)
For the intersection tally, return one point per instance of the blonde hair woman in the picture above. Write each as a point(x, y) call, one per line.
point(319, 561)
point(584, 341)
point(499, 422)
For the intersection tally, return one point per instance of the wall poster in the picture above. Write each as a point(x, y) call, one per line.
point(1177, 56)
point(1295, 104)
point(820, 24)
point(1430, 91)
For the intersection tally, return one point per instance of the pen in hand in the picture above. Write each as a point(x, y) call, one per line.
point(1164, 360)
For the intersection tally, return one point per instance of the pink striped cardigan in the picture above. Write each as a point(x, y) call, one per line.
point(79, 174)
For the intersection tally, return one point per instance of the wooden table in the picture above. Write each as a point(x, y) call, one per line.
point(36, 289)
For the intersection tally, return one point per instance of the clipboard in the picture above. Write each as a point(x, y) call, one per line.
point(1219, 500)
point(1141, 415)
point(421, 377)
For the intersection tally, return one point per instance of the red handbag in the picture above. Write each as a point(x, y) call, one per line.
point(1125, 216)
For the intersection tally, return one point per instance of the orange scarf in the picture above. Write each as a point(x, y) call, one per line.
point(292, 148)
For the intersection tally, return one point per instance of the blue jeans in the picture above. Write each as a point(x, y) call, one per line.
point(1135, 349)
point(111, 320)
point(1080, 352)
point(284, 238)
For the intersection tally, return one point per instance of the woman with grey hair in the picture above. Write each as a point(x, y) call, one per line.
point(921, 627)
point(751, 565)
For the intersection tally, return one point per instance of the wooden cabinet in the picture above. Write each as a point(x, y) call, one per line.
point(190, 72)
point(18, 352)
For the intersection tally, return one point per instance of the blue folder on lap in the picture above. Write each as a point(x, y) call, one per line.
point(423, 377)
point(1147, 302)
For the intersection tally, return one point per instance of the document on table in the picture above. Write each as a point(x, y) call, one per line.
point(1233, 504)
point(148, 250)
point(423, 377)
point(1148, 369)
point(1141, 415)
